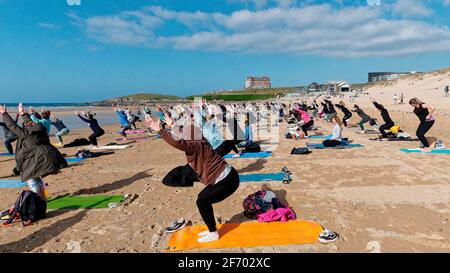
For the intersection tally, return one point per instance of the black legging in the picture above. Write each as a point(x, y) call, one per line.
point(305, 126)
point(123, 129)
point(345, 118)
point(423, 128)
point(384, 127)
point(94, 136)
point(226, 147)
point(216, 193)
point(331, 143)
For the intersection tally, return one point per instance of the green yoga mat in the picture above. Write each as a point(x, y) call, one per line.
point(84, 202)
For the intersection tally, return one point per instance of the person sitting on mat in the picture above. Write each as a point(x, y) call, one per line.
point(364, 117)
point(61, 128)
point(123, 119)
point(211, 133)
point(347, 113)
point(36, 158)
point(221, 179)
point(248, 136)
point(336, 137)
point(9, 136)
point(425, 114)
point(97, 131)
point(388, 123)
point(306, 120)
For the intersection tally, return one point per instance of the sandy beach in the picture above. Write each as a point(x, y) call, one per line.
point(377, 198)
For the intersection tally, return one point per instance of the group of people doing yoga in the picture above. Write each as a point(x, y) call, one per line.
point(303, 114)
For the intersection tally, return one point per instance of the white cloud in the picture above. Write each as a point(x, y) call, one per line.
point(49, 26)
point(411, 8)
point(315, 29)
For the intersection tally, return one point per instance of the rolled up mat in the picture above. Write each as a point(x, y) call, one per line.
point(250, 155)
point(434, 151)
point(249, 234)
point(321, 146)
point(84, 202)
point(12, 184)
point(6, 154)
point(261, 177)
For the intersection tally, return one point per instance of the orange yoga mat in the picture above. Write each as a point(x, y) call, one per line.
point(250, 234)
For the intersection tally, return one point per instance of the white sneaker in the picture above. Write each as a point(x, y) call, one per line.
point(210, 237)
point(363, 132)
point(203, 233)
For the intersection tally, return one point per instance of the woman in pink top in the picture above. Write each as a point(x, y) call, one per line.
point(307, 121)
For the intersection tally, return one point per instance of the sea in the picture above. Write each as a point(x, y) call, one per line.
point(67, 115)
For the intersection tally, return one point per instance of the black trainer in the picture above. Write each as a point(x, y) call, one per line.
point(328, 236)
point(176, 225)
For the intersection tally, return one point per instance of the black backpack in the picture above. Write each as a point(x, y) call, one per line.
point(29, 208)
point(300, 151)
point(253, 148)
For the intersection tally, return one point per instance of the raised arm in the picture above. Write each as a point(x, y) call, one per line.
point(83, 118)
point(378, 106)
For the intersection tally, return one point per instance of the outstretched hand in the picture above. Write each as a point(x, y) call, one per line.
point(2, 109)
point(154, 125)
point(168, 120)
point(21, 109)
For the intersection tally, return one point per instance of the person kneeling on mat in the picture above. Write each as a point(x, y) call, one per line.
point(221, 179)
point(336, 137)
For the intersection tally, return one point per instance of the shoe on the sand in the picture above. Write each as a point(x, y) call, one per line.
point(328, 236)
point(176, 225)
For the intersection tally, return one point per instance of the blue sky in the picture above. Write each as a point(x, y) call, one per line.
point(51, 51)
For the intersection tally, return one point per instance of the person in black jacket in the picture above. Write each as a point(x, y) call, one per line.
point(36, 158)
point(331, 111)
point(97, 131)
point(10, 137)
point(388, 123)
point(347, 113)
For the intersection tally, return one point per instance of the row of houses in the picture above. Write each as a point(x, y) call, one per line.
point(331, 86)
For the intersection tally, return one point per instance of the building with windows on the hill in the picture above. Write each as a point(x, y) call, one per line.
point(257, 82)
point(387, 76)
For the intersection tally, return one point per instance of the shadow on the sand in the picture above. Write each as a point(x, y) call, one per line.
point(9, 159)
point(115, 185)
point(253, 167)
point(42, 236)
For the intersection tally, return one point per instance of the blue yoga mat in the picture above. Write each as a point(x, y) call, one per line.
point(321, 146)
point(320, 137)
point(74, 159)
point(435, 151)
point(6, 154)
point(250, 155)
point(12, 184)
point(260, 177)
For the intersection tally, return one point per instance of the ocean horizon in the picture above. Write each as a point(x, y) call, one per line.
point(48, 105)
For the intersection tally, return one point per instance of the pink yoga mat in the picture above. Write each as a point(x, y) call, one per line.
point(136, 139)
point(136, 132)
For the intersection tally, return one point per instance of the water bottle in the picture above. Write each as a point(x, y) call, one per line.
point(46, 190)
